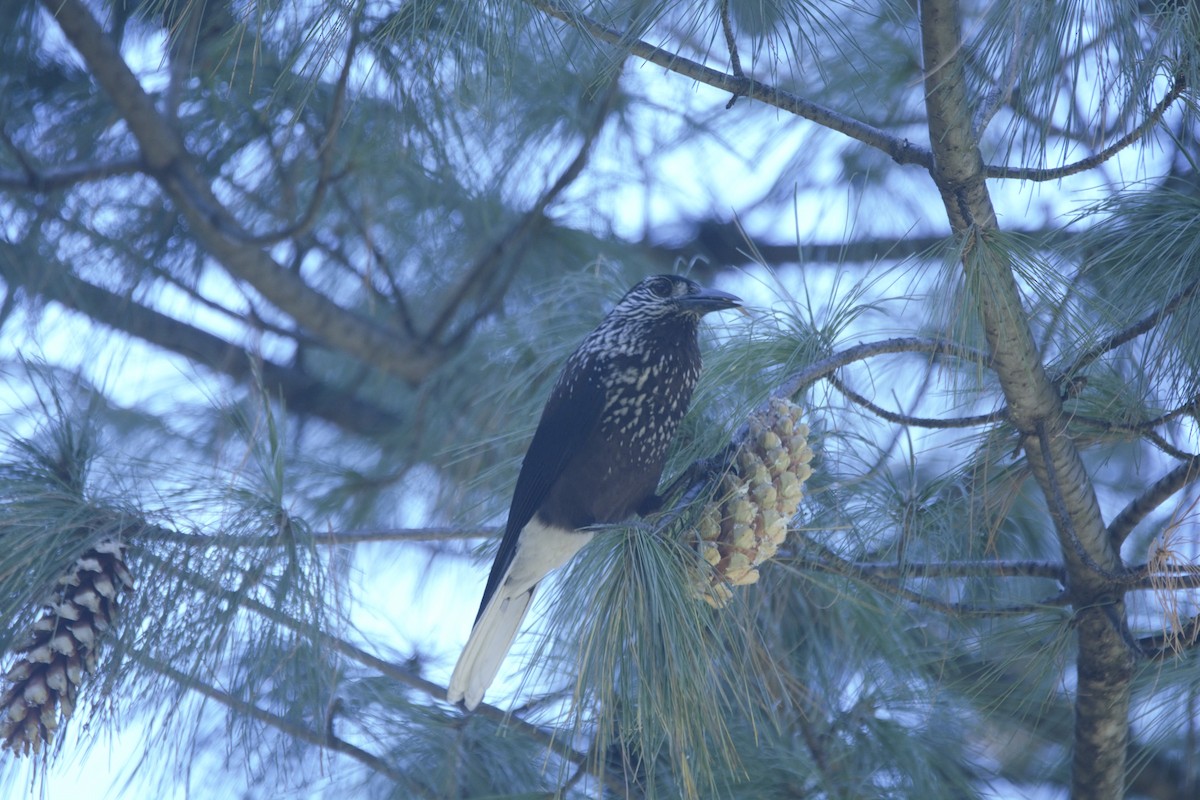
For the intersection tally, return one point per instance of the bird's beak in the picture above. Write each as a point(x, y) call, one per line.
point(707, 300)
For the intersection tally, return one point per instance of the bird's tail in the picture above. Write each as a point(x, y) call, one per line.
point(487, 646)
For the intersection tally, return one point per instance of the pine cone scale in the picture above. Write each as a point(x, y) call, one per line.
point(755, 500)
point(43, 682)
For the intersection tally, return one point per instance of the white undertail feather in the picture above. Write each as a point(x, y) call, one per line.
point(540, 550)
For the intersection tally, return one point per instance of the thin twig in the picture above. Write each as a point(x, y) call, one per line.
point(1141, 430)
point(1083, 165)
point(1151, 498)
point(332, 539)
point(1191, 407)
point(953, 569)
point(900, 150)
point(916, 422)
point(693, 479)
point(1135, 330)
point(798, 381)
point(287, 726)
point(325, 156)
point(507, 246)
point(735, 61)
point(35, 180)
point(835, 565)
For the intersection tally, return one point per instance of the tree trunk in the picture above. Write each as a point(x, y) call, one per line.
point(1105, 664)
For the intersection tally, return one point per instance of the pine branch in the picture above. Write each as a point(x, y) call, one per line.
point(214, 226)
point(915, 422)
point(834, 564)
point(1061, 514)
point(1034, 401)
point(798, 381)
point(331, 539)
point(956, 569)
point(1164, 578)
point(1151, 498)
point(900, 150)
point(695, 477)
point(385, 668)
point(723, 243)
point(60, 178)
point(303, 393)
point(1142, 430)
point(1091, 162)
point(322, 739)
point(1144, 325)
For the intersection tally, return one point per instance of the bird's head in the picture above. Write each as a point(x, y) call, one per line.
point(662, 296)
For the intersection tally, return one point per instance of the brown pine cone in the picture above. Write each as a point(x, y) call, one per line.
point(63, 645)
point(756, 499)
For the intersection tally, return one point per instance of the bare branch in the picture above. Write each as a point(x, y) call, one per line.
point(212, 224)
point(901, 150)
point(1083, 165)
point(508, 247)
point(303, 393)
point(333, 539)
point(1144, 325)
point(237, 704)
point(52, 180)
point(1151, 498)
point(735, 61)
point(916, 422)
point(798, 381)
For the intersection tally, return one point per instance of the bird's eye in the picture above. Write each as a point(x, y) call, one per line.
point(661, 288)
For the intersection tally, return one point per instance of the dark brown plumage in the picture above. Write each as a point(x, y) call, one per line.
point(597, 454)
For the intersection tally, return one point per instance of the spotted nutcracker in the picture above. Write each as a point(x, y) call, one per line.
point(596, 457)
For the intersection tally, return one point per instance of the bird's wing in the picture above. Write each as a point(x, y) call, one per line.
point(569, 418)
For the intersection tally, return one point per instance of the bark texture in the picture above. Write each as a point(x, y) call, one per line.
point(1105, 662)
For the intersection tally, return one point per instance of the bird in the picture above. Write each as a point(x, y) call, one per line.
point(596, 456)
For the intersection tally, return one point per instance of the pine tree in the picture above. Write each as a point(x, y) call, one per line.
point(285, 288)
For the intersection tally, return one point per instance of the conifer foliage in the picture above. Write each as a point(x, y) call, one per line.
point(284, 288)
